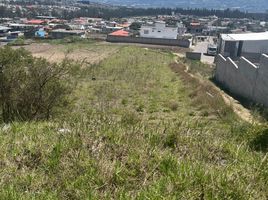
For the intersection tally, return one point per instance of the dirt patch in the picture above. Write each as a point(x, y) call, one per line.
point(240, 110)
point(56, 53)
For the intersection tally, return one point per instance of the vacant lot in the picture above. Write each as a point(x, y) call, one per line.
point(139, 128)
point(88, 52)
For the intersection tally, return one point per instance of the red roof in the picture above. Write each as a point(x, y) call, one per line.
point(35, 21)
point(120, 33)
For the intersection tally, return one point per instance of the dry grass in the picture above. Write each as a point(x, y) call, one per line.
point(86, 53)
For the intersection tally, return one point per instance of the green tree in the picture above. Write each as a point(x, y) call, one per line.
point(135, 26)
point(31, 88)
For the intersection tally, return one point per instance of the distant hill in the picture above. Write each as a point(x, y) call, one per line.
point(244, 5)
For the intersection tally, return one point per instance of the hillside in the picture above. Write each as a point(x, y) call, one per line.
point(245, 5)
point(139, 127)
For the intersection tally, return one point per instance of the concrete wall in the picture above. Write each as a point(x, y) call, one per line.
point(193, 55)
point(253, 57)
point(61, 35)
point(252, 50)
point(243, 78)
point(159, 41)
point(261, 91)
point(259, 46)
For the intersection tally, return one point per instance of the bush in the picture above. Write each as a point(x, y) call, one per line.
point(18, 42)
point(31, 88)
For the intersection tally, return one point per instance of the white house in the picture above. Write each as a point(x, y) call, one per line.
point(159, 30)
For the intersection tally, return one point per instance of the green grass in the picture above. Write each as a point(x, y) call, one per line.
point(136, 130)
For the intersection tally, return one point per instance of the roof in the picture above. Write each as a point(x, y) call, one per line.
point(123, 25)
point(3, 28)
point(45, 17)
point(35, 21)
point(67, 31)
point(195, 24)
point(120, 33)
point(245, 36)
point(22, 25)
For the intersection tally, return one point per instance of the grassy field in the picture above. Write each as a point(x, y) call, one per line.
point(139, 127)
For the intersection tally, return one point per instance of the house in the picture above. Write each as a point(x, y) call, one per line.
point(248, 45)
point(120, 33)
point(3, 30)
point(214, 30)
point(159, 30)
point(195, 28)
point(110, 29)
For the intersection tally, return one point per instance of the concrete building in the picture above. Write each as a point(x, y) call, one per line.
point(159, 30)
point(249, 45)
point(195, 28)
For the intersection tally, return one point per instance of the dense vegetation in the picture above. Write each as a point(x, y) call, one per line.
point(31, 88)
point(139, 127)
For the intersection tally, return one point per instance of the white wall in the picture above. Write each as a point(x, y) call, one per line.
point(254, 47)
point(243, 78)
point(159, 30)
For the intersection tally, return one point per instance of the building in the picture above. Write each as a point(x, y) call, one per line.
point(3, 30)
point(214, 30)
point(195, 28)
point(120, 33)
point(159, 30)
point(249, 45)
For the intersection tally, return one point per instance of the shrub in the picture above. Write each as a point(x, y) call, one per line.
point(18, 42)
point(31, 88)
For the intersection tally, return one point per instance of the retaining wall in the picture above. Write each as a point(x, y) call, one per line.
point(159, 41)
point(243, 78)
point(261, 91)
point(193, 55)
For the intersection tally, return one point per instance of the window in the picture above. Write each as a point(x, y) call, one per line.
point(159, 31)
point(146, 32)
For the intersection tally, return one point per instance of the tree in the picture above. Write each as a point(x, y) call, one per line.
point(32, 88)
point(135, 26)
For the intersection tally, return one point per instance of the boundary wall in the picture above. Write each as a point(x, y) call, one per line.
point(158, 41)
point(243, 78)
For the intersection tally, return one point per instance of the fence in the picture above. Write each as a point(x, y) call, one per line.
point(158, 41)
point(244, 78)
